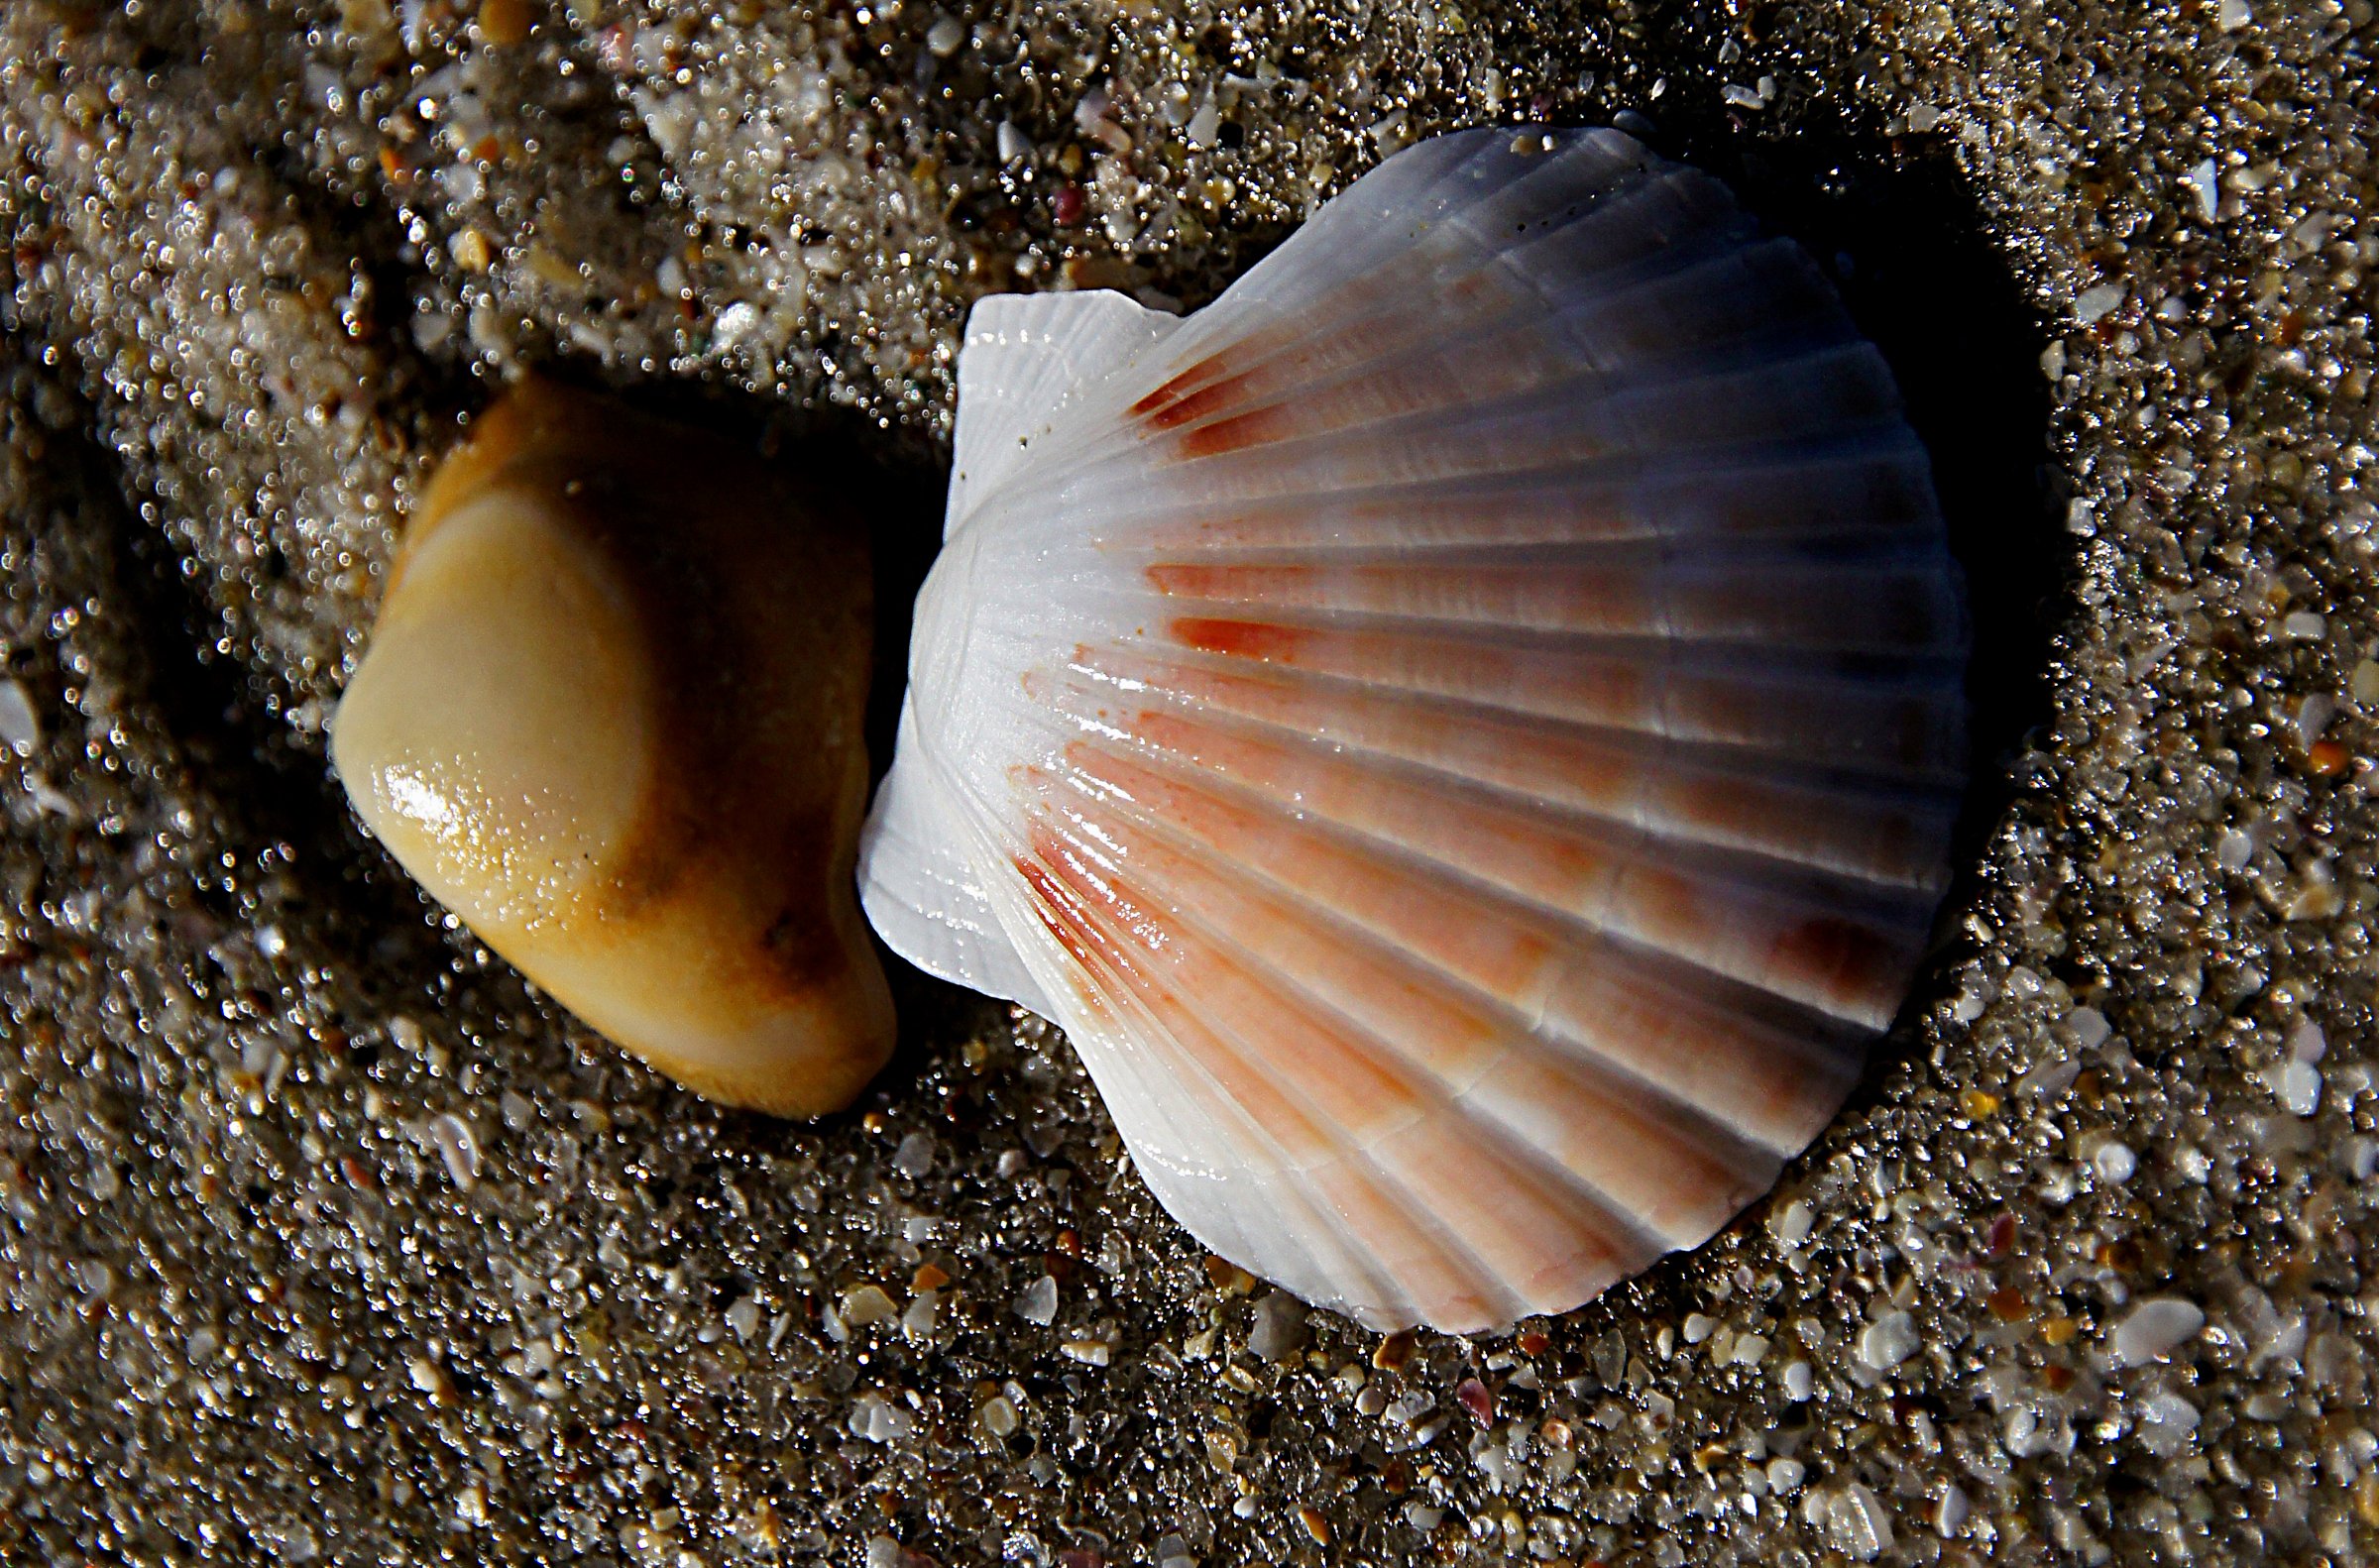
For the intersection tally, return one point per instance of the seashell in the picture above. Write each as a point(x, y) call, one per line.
point(1463, 731)
point(611, 717)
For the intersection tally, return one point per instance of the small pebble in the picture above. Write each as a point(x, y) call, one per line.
point(946, 37)
point(1697, 1327)
point(1888, 1341)
point(1800, 1381)
point(2099, 302)
point(915, 1156)
point(868, 1305)
point(457, 1147)
point(1280, 1328)
point(2114, 1162)
point(2090, 1027)
point(1039, 1301)
point(1949, 1516)
point(2154, 1328)
point(922, 1315)
point(1423, 1517)
point(2300, 1086)
point(1013, 143)
point(2167, 1424)
point(1785, 1475)
point(1090, 1352)
point(20, 723)
point(998, 1417)
point(2304, 626)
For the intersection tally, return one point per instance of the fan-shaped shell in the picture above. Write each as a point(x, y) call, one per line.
point(1462, 732)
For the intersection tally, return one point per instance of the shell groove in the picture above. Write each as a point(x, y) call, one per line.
point(1462, 732)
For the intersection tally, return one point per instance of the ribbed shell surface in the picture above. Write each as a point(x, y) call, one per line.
point(1462, 732)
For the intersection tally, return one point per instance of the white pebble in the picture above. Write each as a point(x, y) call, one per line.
point(1090, 1352)
point(744, 1317)
point(1949, 1518)
point(2313, 716)
point(20, 723)
point(946, 37)
point(1039, 1301)
point(882, 1552)
point(1750, 1350)
point(2234, 850)
point(1860, 1524)
point(405, 1034)
point(1698, 1327)
point(458, 1148)
point(923, 1316)
point(2300, 1087)
point(1785, 1475)
point(736, 323)
point(1888, 1341)
point(1423, 1517)
point(1796, 1223)
point(2166, 1423)
point(2156, 1328)
point(2307, 1042)
point(915, 1156)
point(1013, 143)
point(2090, 1026)
point(2304, 626)
point(2360, 1158)
point(879, 1420)
point(1205, 127)
point(1799, 1382)
point(2232, 15)
point(2115, 1161)
point(2205, 182)
point(998, 1417)
point(2098, 301)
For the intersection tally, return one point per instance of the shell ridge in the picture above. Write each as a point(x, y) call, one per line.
point(1063, 903)
point(1387, 887)
point(1407, 1204)
point(1690, 1132)
point(1364, 722)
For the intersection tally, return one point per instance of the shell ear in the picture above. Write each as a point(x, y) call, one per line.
point(1463, 731)
point(614, 722)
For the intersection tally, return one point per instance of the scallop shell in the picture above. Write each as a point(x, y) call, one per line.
point(1463, 732)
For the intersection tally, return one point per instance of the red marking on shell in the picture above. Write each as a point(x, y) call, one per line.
point(1247, 639)
point(1256, 428)
point(1200, 404)
point(1179, 387)
point(1842, 959)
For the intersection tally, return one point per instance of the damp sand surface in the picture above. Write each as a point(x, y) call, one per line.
point(323, 1238)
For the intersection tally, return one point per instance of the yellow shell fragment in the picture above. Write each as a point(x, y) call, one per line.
point(610, 716)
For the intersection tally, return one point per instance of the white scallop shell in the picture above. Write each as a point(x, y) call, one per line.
point(1462, 732)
